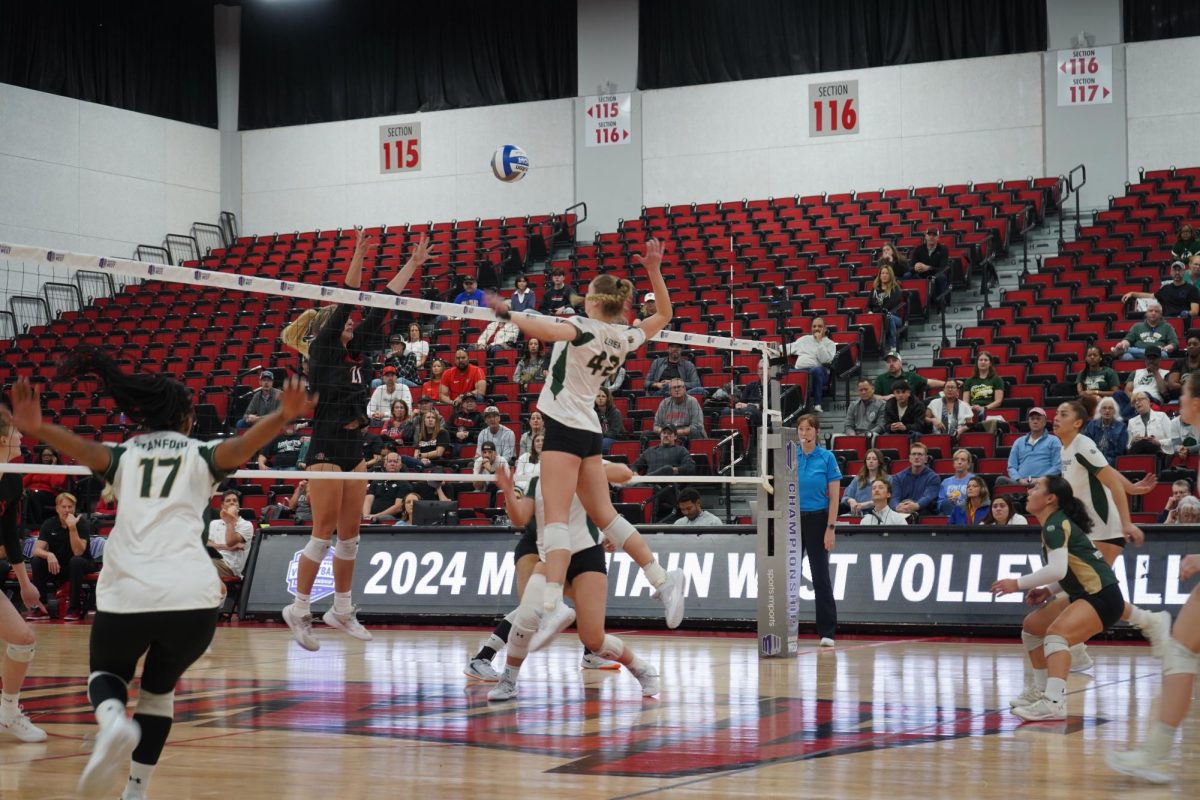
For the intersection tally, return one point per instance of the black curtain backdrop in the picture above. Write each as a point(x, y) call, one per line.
point(688, 42)
point(1147, 20)
point(319, 62)
point(152, 56)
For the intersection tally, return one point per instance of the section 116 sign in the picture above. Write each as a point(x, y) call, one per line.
point(1085, 76)
point(833, 108)
point(607, 120)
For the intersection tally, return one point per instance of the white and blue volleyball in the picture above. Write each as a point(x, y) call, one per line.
point(509, 163)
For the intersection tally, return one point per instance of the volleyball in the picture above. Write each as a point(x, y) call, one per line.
point(509, 163)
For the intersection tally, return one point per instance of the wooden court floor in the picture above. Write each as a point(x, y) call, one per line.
point(915, 718)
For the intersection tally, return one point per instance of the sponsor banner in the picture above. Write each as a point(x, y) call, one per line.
point(917, 577)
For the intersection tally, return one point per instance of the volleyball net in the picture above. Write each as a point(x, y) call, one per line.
point(166, 317)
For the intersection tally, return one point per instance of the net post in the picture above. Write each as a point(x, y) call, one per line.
point(778, 544)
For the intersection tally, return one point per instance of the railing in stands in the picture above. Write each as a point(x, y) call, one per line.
point(1064, 192)
point(1075, 187)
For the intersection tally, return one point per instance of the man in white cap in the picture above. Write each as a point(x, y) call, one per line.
point(647, 309)
point(896, 371)
point(1035, 455)
point(503, 438)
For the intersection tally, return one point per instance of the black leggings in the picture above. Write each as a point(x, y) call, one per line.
point(171, 640)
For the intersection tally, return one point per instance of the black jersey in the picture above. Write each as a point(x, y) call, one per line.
point(341, 373)
point(11, 490)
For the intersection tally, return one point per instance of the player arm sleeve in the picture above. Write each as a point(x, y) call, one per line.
point(332, 330)
point(1054, 571)
point(207, 452)
point(10, 533)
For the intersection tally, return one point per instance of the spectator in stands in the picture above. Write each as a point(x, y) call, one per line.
point(62, 550)
point(537, 425)
point(1149, 430)
point(385, 495)
point(976, 507)
point(814, 354)
point(1177, 297)
point(404, 362)
point(1185, 439)
point(406, 513)
point(681, 412)
point(265, 399)
point(670, 367)
point(529, 465)
point(984, 389)
point(523, 298)
point(499, 435)
point(1188, 512)
point(1107, 430)
point(465, 423)
point(1193, 270)
point(532, 366)
point(471, 294)
point(858, 494)
point(41, 489)
point(1152, 331)
point(888, 299)
point(379, 407)
point(498, 335)
point(431, 442)
point(284, 450)
point(558, 298)
point(615, 381)
point(692, 514)
point(612, 426)
point(463, 379)
point(230, 536)
point(929, 260)
point(890, 256)
point(486, 463)
point(649, 308)
point(1000, 512)
point(668, 458)
point(1097, 378)
point(106, 506)
point(398, 428)
point(864, 417)
point(1189, 363)
point(1035, 455)
point(416, 345)
point(949, 414)
point(895, 371)
point(749, 402)
point(915, 489)
point(1179, 490)
point(879, 511)
point(904, 413)
point(432, 388)
point(298, 503)
point(1186, 245)
point(1150, 379)
point(953, 492)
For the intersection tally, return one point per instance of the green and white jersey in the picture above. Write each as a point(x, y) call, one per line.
point(584, 534)
point(579, 367)
point(154, 559)
point(1082, 462)
point(1087, 571)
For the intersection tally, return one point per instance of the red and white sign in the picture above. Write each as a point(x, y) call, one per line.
point(607, 120)
point(400, 147)
point(1085, 76)
point(833, 108)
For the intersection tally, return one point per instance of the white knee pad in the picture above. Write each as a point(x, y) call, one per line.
point(156, 705)
point(1178, 660)
point(21, 653)
point(1055, 644)
point(1030, 641)
point(524, 627)
point(612, 648)
point(556, 536)
point(346, 549)
point(316, 549)
point(619, 531)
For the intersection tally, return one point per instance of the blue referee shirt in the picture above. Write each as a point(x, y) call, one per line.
point(813, 474)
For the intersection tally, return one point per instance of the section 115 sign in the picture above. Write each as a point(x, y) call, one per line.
point(400, 147)
point(607, 119)
point(833, 108)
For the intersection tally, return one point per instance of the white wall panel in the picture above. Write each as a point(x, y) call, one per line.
point(836, 165)
point(120, 142)
point(1163, 106)
point(44, 127)
point(39, 194)
point(296, 157)
point(972, 156)
point(977, 94)
point(120, 207)
point(190, 154)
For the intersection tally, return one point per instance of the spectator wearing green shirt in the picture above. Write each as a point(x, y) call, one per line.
point(1152, 331)
point(1193, 270)
point(895, 371)
point(984, 389)
point(1097, 378)
point(1187, 244)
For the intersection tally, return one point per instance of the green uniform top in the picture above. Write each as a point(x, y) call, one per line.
point(1105, 380)
point(1087, 571)
point(982, 391)
point(884, 382)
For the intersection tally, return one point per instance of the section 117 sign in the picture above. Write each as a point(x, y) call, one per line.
point(1085, 76)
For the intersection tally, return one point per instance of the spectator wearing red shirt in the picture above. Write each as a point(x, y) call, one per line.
point(462, 379)
point(432, 388)
point(46, 483)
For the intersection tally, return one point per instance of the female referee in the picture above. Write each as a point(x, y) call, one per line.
point(587, 350)
point(339, 372)
point(158, 594)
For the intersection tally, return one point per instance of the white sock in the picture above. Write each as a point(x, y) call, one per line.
point(1159, 740)
point(1039, 679)
point(302, 603)
point(8, 706)
point(511, 672)
point(637, 666)
point(341, 603)
point(139, 780)
point(1056, 690)
point(1139, 617)
point(109, 711)
point(552, 596)
point(655, 574)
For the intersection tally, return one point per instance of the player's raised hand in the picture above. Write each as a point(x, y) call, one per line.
point(652, 260)
point(26, 412)
point(295, 401)
point(422, 252)
point(504, 478)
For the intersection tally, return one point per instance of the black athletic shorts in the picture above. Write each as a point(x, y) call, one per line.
point(333, 444)
point(563, 439)
point(1117, 542)
point(1108, 602)
point(590, 560)
point(171, 640)
point(527, 545)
